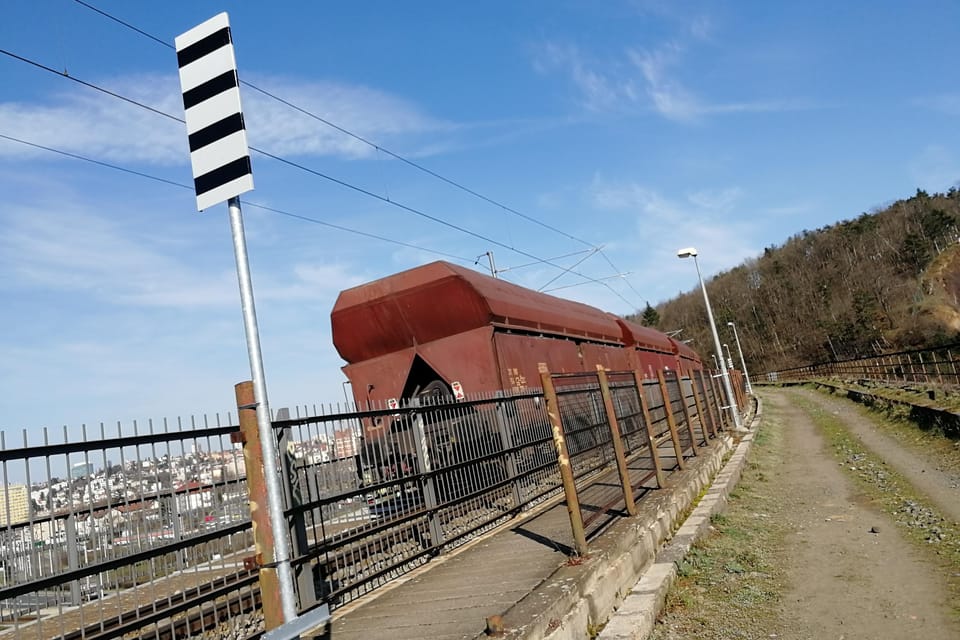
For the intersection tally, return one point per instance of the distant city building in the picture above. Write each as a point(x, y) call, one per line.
point(81, 470)
point(14, 504)
point(344, 443)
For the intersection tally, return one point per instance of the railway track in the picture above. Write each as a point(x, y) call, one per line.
point(184, 614)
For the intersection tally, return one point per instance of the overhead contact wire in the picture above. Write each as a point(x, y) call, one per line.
point(248, 203)
point(308, 170)
point(379, 148)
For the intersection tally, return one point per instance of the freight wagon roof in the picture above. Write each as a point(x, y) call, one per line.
point(637, 335)
point(441, 299)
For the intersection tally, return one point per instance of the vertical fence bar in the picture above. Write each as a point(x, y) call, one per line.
point(428, 480)
point(257, 487)
point(648, 428)
point(506, 439)
point(563, 461)
point(617, 441)
point(671, 423)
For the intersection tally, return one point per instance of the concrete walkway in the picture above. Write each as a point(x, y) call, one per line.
point(522, 571)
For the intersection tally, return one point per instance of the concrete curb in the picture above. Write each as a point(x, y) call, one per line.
point(635, 618)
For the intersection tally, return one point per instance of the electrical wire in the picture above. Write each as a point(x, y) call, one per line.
point(381, 149)
point(317, 173)
point(248, 203)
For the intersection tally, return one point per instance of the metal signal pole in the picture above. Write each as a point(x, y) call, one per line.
point(268, 440)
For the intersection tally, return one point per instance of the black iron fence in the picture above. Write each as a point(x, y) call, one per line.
point(107, 531)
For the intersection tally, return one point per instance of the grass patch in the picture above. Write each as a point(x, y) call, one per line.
point(729, 585)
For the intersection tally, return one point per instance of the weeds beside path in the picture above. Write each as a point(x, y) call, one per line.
point(803, 551)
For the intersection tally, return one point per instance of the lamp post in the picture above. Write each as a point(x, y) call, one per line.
point(732, 404)
point(742, 361)
point(729, 357)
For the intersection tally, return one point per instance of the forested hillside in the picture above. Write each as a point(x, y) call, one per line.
point(882, 282)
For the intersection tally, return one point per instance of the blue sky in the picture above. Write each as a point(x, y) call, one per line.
point(639, 127)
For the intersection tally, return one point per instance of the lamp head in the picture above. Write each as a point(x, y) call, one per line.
point(686, 253)
point(729, 324)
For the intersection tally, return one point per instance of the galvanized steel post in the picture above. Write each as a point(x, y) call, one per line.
point(262, 405)
point(617, 441)
point(429, 482)
point(563, 461)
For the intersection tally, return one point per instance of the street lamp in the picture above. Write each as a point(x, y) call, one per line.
point(742, 361)
point(732, 405)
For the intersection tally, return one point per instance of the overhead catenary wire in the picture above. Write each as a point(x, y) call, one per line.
point(246, 202)
point(380, 149)
point(320, 174)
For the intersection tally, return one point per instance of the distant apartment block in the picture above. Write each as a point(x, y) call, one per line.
point(344, 443)
point(81, 470)
point(14, 504)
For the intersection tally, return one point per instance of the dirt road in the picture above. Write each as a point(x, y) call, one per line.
point(817, 558)
point(850, 573)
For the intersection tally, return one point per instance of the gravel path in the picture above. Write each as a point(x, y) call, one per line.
point(844, 580)
point(941, 486)
point(803, 553)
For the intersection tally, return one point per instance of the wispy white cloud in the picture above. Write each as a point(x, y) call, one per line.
point(80, 252)
point(648, 79)
point(664, 223)
point(600, 91)
point(94, 124)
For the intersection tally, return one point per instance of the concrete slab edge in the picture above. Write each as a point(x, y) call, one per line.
point(636, 616)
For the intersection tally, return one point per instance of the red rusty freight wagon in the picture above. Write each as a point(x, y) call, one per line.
point(445, 330)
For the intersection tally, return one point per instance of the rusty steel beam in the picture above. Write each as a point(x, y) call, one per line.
point(563, 461)
point(648, 424)
point(263, 534)
point(686, 415)
point(671, 423)
point(617, 441)
point(701, 406)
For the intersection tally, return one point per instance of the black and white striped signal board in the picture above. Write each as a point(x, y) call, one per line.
point(211, 99)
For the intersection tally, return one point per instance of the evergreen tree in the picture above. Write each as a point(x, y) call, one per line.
point(650, 317)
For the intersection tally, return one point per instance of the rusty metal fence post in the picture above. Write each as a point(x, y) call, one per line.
point(701, 418)
point(263, 533)
point(648, 424)
point(563, 461)
point(707, 405)
point(687, 417)
point(671, 423)
point(617, 441)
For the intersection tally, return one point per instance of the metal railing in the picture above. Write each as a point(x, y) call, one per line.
point(936, 366)
point(108, 531)
point(145, 531)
